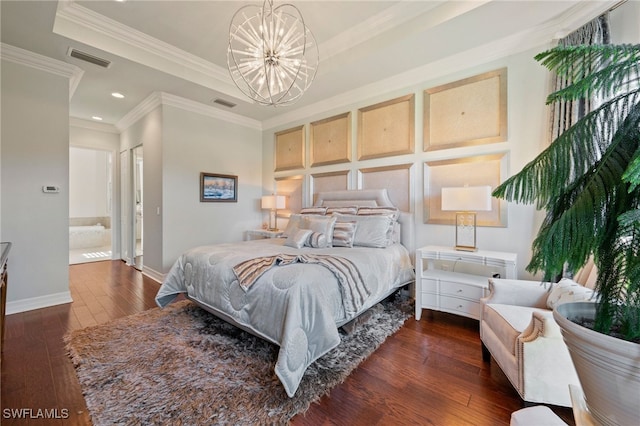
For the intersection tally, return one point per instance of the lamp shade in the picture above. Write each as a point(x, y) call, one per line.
point(466, 198)
point(273, 202)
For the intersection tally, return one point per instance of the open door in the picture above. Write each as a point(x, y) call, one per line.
point(138, 200)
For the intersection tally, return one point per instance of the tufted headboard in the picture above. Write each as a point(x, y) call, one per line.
point(370, 198)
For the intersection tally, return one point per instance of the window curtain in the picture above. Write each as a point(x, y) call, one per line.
point(565, 114)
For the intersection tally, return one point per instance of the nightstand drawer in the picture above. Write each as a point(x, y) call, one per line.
point(450, 288)
point(429, 300)
point(429, 285)
point(466, 307)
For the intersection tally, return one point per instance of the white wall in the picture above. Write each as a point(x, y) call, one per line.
point(148, 132)
point(35, 152)
point(178, 145)
point(88, 182)
point(625, 23)
point(195, 143)
point(527, 118)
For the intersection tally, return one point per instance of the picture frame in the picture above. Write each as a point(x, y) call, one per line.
point(215, 187)
point(330, 140)
point(289, 149)
point(387, 128)
point(467, 112)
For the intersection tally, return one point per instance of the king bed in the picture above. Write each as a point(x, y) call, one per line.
point(338, 259)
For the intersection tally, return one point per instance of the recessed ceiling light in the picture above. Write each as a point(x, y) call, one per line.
point(95, 117)
point(117, 95)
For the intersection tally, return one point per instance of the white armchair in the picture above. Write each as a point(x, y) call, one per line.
point(517, 328)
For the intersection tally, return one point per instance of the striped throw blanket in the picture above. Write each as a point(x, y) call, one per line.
point(354, 290)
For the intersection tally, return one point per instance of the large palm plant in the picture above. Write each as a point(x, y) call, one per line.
point(588, 182)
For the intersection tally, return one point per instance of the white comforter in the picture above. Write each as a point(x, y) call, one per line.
point(298, 307)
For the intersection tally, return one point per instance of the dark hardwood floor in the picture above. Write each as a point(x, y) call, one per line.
point(429, 372)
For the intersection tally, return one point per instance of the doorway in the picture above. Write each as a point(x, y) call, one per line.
point(132, 206)
point(138, 161)
point(90, 205)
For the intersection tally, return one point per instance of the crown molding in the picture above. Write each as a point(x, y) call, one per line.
point(84, 25)
point(43, 63)
point(209, 111)
point(393, 17)
point(160, 98)
point(92, 125)
point(150, 103)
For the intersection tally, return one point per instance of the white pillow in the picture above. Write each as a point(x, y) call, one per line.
point(567, 290)
point(321, 224)
point(299, 238)
point(371, 231)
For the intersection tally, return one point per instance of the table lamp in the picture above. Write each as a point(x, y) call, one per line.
point(466, 201)
point(273, 203)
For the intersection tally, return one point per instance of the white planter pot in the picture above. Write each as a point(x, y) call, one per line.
point(608, 368)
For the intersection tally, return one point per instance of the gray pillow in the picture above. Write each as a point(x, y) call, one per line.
point(299, 238)
point(321, 224)
point(371, 231)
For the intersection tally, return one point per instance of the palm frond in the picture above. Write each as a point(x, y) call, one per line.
point(598, 69)
point(572, 154)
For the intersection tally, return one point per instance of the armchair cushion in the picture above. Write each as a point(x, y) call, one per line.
point(567, 290)
point(508, 322)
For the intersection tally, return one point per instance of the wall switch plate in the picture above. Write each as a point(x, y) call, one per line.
point(51, 189)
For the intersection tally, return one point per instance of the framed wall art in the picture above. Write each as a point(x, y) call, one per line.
point(467, 112)
point(387, 128)
point(478, 170)
point(330, 140)
point(289, 149)
point(218, 188)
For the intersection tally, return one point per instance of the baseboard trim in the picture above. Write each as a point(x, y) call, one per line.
point(39, 302)
point(153, 274)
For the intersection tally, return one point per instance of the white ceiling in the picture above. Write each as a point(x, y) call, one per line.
point(179, 47)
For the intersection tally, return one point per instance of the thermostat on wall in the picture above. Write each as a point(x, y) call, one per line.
point(50, 188)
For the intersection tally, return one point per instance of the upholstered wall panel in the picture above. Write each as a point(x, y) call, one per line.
point(291, 187)
point(290, 149)
point(397, 180)
point(331, 181)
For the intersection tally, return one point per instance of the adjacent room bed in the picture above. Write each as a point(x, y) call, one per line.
point(338, 259)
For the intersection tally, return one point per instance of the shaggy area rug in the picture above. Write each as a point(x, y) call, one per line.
point(182, 365)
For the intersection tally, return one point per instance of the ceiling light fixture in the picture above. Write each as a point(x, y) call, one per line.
point(117, 95)
point(272, 55)
point(95, 117)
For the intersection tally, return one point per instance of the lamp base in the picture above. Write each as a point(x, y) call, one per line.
point(466, 231)
point(465, 248)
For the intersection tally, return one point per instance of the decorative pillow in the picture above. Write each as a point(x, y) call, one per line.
point(314, 210)
point(392, 212)
point(323, 225)
point(316, 240)
point(371, 231)
point(344, 234)
point(342, 210)
point(299, 238)
point(567, 290)
point(293, 225)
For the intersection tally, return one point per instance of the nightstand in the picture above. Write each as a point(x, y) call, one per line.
point(264, 233)
point(442, 286)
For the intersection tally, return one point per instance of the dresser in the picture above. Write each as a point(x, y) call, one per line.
point(454, 281)
point(4, 257)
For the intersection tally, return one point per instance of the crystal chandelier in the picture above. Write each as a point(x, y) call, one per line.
point(272, 55)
